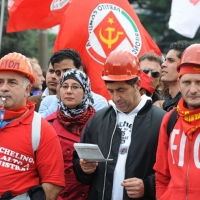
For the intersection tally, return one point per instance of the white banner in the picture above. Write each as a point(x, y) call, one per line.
point(185, 17)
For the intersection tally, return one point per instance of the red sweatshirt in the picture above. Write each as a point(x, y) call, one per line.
point(177, 164)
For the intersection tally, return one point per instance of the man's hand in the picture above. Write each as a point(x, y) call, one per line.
point(88, 167)
point(134, 187)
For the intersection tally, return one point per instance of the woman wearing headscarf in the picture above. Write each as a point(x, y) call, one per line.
point(74, 111)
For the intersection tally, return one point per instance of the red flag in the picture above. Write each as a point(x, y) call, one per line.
point(97, 27)
point(35, 14)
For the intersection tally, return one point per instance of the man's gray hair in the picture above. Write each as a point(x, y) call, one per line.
point(26, 82)
point(151, 56)
point(33, 61)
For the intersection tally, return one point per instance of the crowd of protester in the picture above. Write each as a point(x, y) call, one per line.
point(148, 131)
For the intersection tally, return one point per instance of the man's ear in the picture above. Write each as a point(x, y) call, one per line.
point(81, 68)
point(28, 89)
point(138, 84)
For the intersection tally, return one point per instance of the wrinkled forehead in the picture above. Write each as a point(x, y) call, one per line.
point(190, 77)
point(116, 85)
point(11, 75)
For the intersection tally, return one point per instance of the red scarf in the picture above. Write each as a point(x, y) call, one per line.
point(75, 124)
point(190, 119)
point(12, 114)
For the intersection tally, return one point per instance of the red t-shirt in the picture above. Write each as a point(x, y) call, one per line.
point(20, 169)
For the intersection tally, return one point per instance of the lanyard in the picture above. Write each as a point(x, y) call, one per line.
point(2, 110)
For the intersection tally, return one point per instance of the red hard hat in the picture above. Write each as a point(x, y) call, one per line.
point(121, 65)
point(19, 63)
point(191, 56)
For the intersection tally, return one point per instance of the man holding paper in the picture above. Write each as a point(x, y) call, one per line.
point(126, 131)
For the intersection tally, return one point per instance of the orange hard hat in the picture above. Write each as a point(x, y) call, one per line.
point(19, 63)
point(121, 65)
point(191, 56)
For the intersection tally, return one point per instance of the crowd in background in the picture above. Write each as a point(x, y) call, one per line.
point(149, 127)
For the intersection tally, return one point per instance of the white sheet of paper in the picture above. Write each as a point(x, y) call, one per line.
point(90, 152)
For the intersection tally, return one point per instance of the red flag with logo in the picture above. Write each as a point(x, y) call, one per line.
point(97, 27)
point(35, 14)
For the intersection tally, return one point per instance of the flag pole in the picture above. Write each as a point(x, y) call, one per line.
point(1, 21)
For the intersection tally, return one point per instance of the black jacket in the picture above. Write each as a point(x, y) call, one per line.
point(102, 130)
point(170, 103)
point(156, 96)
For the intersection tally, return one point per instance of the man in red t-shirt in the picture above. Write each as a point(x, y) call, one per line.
point(24, 169)
point(178, 160)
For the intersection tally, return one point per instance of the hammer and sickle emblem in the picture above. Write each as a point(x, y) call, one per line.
point(110, 40)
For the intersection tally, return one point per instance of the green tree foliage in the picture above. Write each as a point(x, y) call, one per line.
point(51, 40)
point(25, 42)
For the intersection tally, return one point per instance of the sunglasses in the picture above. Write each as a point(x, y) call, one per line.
point(154, 73)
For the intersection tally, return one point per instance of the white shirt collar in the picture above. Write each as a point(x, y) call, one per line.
point(45, 93)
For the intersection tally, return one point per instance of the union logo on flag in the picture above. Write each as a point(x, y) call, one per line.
point(110, 28)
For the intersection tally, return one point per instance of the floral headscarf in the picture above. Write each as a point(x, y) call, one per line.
point(87, 100)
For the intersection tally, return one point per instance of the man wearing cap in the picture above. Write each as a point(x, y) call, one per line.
point(178, 155)
point(127, 132)
point(31, 160)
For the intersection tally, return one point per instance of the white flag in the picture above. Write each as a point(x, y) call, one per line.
point(185, 17)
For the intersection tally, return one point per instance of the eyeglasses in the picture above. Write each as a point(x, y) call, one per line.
point(73, 87)
point(154, 73)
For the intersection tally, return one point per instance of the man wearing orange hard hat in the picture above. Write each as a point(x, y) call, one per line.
point(126, 132)
point(178, 155)
point(31, 163)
